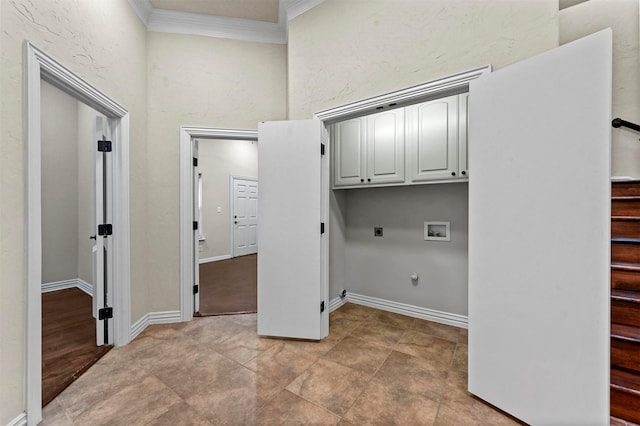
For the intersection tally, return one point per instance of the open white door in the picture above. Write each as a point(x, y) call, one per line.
point(292, 251)
point(102, 312)
point(196, 220)
point(539, 218)
point(245, 216)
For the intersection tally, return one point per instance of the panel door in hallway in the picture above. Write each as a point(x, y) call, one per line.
point(245, 216)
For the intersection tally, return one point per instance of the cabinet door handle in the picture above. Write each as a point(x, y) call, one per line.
point(361, 180)
point(464, 172)
point(453, 173)
point(369, 180)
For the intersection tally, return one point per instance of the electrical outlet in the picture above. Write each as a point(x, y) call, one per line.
point(377, 231)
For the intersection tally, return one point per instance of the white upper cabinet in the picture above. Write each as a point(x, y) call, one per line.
point(432, 134)
point(370, 150)
point(385, 147)
point(349, 148)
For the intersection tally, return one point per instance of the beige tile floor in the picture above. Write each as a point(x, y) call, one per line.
point(375, 367)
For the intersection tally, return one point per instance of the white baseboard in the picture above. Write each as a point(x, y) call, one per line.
point(336, 303)
point(455, 320)
point(215, 258)
point(61, 285)
point(21, 420)
point(151, 318)
point(85, 286)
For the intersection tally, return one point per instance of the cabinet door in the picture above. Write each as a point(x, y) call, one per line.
point(432, 129)
point(463, 125)
point(348, 141)
point(385, 147)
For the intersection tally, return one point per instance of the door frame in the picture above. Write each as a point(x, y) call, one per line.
point(187, 261)
point(39, 66)
point(231, 209)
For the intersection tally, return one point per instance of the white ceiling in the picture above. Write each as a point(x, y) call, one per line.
point(250, 20)
point(256, 10)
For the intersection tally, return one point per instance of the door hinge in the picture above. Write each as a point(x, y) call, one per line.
point(104, 146)
point(321, 149)
point(322, 228)
point(195, 225)
point(105, 313)
point(195, 162)
point(322, 306)
point(196, 289)
point(106, 229)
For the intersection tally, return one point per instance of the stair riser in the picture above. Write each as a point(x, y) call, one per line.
point(625, 354)
point(625, 208)
point(625, 280)
point(625, 189)
point(625, 229)
point(625, 406)
point(625, 313)
point(626, 253)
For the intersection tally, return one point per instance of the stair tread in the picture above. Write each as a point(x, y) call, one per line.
point(623, 266)
point(628, 333)
point(619, 240)
point(625, 381)
point(629, 218)
point(625, 295)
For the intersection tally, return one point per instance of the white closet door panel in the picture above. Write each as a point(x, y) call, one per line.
point(289, 255)
point(539, 235)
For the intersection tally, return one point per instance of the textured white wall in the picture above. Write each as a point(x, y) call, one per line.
point(59, 185)
point(346, 50)
point(198, 81)
point(75, 33)
point(217, 161)
point(622, 16)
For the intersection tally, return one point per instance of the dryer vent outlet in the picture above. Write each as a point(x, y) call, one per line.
point(343, 293)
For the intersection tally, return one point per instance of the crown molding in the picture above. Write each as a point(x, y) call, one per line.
point(143, 9)
point(295, 8)
point(171, 21)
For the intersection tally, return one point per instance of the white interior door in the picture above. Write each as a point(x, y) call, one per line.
point(245, 216)
point(291, 255)
point(539, 218)
point(196, 220)
point(101, 247)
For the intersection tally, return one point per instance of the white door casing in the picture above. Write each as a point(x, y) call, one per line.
point(292, 255)
point(41, 66)
point(245, 216)
point(539, 235)
point(189, 257)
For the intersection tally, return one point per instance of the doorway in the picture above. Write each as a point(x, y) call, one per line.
point(42, 68)
point(219, 189)
point(226, 191)
point(72, 266)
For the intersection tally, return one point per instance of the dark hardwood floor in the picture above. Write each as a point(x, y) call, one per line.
point(68, 340)
point(229, 286)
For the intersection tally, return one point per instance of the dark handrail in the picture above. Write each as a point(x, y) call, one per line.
point(619, 122)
